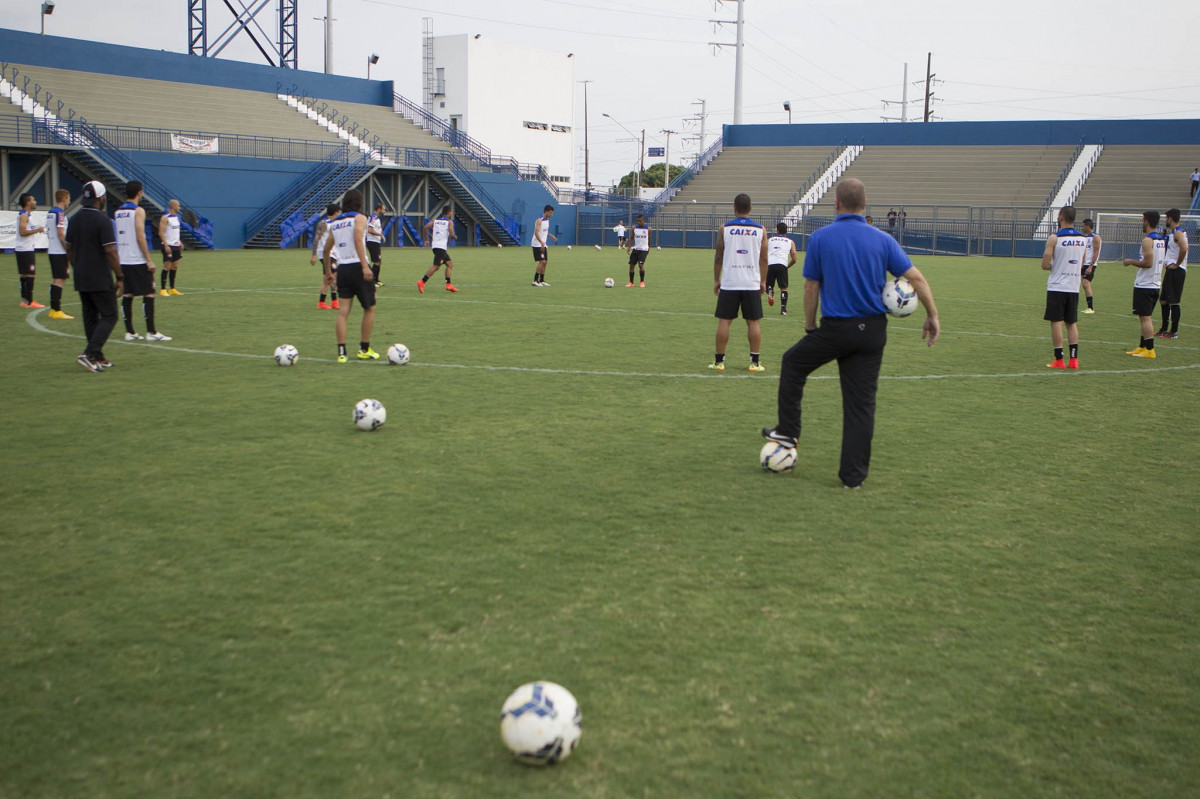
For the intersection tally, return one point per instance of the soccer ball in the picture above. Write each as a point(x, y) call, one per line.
point(609, 282)
point(369, 415)
point(598, 247)
point(540, 723)
point(286, 355)
point(776, 458)
point(899, 297)
point(498, 244)
point(397, 354)
point(660, 246)
point(568, 246)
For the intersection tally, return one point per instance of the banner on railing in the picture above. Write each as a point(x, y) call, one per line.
point(8, 229)
point(191, 144)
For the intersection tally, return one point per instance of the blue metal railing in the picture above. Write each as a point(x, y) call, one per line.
point(807, 185)
point(293, 194)
point(1058, 184)
point(685, 177)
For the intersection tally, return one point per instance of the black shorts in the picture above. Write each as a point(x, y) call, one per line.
point(1062, 306)
point(58, 266)
point(729, 301)
point(540, 254)
point(1144, 301)
point(175, 256)
point(375, 251)
point(440, 257)
point(638, 257)
point(1172, 287)
point(777, 273)
point(26, 263)
point(137, 280)
point(351, 283)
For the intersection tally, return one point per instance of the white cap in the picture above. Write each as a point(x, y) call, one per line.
point(93, 190)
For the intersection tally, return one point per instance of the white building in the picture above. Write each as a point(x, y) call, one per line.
point(517, 101)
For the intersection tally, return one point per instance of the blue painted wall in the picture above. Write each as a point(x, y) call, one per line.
point(21, 47)
point(1050, 132)
point(525, 199)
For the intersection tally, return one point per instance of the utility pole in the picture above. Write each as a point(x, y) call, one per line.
point(928, 83)
point(739, 46)
point(904, 96)
point(667, 175)
point(587, 180)
point(641, 164)
point(699, 118)
point(328, 18)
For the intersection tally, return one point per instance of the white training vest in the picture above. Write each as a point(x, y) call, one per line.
point(125, 223)
point(1173, 248)
point(56, 220)
point(374, 229)
point(641, 238)
point(1066, 263)
point(342, 230)
point(1151, 277)
point(439, 234)
point(172, 233)
point(542, 226)
point(778, 250)
point(25, 243)
point(743, 244)
point(1090, 254)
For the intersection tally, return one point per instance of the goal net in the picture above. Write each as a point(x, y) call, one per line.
point(1121, 234)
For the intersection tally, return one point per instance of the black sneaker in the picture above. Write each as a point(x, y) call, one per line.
point(89, 364)
point(770, 435)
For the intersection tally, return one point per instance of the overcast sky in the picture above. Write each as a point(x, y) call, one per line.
point(650, 60)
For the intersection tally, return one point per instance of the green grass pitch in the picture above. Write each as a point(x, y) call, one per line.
point(212, 585)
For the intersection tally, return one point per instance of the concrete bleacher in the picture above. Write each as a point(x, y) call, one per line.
point(770, 175)
point(1136, 177)
point(382, 122)
point(184, 107)
point(981, 176)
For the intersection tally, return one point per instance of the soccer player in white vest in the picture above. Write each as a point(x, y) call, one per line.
point(375, 242)
point(781, 254)
point(348, 238)
point(1091, 257)
point(1064, 259)
point(1174, 273)
point(541, 232)
point(172, 247)
point(26, 256)
point(639, 248)
point(328, 271)
point(1147, 282)
point(56, 250)
point(620, 231)
point(739, 280)
point(129, 221)
point(438, 234)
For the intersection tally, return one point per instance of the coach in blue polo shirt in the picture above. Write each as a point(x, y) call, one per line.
point(846, 265)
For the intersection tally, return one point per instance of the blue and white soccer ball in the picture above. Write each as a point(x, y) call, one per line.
point(369, 414)
point(541, 723)
point(398, 355)
point(899, 297)
point(286, 355)
point(609, 282)
point(777, 458)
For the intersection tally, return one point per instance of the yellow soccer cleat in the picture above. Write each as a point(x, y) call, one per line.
point(59, 315)
point(175, 293)
point(368, 355)
point(1137, 351)
point(757, 367)
point(164, 293)
point(1145, 353)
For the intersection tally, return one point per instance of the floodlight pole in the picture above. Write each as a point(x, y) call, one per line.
point(587, 180)
point(737, 61)
point(328, 37)
point(928, 82)
point(667, 174)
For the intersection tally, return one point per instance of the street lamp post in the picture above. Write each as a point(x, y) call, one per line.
point(667, 153)
point(787, 106)
point(587, 179)
point(47, 10)
point(373, 58)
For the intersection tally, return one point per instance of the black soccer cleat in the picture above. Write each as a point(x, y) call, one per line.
point(770, 435)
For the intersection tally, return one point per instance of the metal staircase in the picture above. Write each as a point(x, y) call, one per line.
point(468, 193)
point(326, 181)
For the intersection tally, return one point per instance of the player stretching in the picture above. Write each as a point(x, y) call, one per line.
point(1148, 281)
point(320, 239)
point(438, 233)
point(56, 249)
point(1091, 257)
point(639, 248)
point(1063, 258)
point(129, 221)
point(375, 242)
point(1174, 274)
point(26, 258)
point(347, 236)
point(781, 254)
point(541, 230)
point(172, 246)
point(739, 279)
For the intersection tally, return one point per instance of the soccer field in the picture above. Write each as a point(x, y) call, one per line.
point(211, 584)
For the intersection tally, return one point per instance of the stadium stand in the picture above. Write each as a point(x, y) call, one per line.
point(770, 174)
point(378, 120)
point(1140, 178)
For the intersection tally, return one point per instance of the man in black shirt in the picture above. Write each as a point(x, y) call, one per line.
point(92, 252)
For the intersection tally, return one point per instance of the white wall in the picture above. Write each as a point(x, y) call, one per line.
point(497, 87)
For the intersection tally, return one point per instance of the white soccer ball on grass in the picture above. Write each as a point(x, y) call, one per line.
point(568, 246)
point(540, 723)
point(286, 355)
point(398, 354)
point(899, 297)
point(777, 458)
point(609, 282)
point(369, 414)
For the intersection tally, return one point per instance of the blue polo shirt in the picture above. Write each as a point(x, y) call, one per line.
point(851, 260)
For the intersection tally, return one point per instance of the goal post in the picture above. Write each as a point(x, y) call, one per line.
point(1121, 234)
